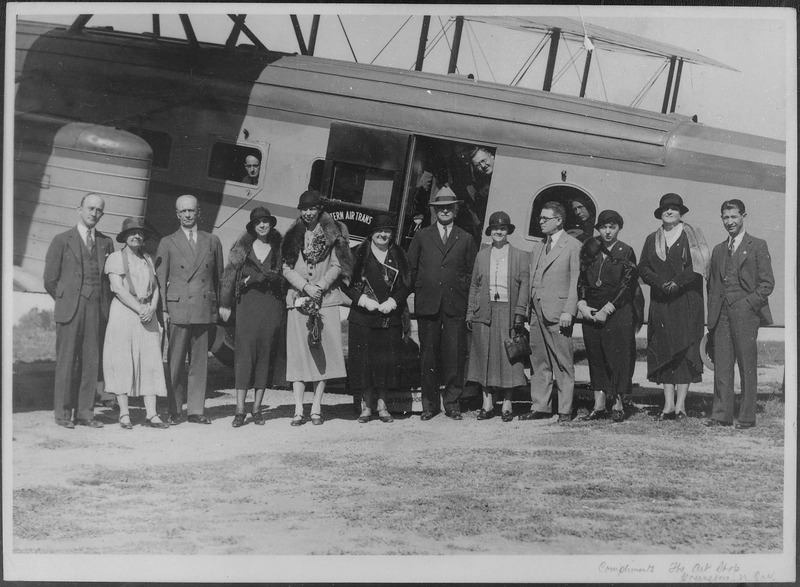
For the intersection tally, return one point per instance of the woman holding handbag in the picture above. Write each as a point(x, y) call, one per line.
point(498, 304)
point(381, 283)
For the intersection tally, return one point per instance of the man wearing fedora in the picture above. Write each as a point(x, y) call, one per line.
point(555, 267)
point(73, 276)
point(740, 281)
point(189, 267)
point(441, 257)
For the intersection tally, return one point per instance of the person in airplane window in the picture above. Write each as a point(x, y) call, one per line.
point(611, 305)
point(674, 261)
point(189, 266)
point(253, 282)
point(252, 167)
point(441, 257)
point(482, 167)
point(498, 304)
point(132, 361)
point(317, 263)
point(379, 288)
point(582, 225)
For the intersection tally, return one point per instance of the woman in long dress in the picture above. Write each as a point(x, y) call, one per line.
point(610, 303)
point(132, 350)
point(673, 263)
point(378, 291)
point(317, 262)
point(498, 304)
point(253, 281)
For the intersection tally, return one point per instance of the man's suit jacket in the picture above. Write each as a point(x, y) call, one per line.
point(63, 273)
point(754, 273)
point(189, 282)
point(441, 272)
point(558, 291)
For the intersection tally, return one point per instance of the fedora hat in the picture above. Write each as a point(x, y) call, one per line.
point(445, 197)
point(309, 199)
point(260, 213)
point(670, 200)
point(607, 216)
point(499, 219)
point(130, 224)
point(382, 222)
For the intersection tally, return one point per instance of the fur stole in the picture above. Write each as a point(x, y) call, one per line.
point(229, 285)
point(395, 253)
point(336, 237)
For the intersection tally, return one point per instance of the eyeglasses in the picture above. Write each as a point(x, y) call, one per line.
point(546, 218)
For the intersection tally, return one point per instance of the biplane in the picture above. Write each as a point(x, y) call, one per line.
point(142, 118)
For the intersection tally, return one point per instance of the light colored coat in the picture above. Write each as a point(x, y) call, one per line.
point(557, 292)
point(479, 309)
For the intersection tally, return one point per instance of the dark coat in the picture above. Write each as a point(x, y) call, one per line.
point(242, 263)
point(441, 273)
point(190, 282)
point(63, 273)
point(676, 319)
point(367, 268)
point(754, 274)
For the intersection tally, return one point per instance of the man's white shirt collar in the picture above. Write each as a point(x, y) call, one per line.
point(554, 238)
point(84, 230)
point(737, 240)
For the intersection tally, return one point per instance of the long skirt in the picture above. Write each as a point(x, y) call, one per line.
point(259, 325)
point(375, 357)
point(326, 361)
point(488, 362)
point(611, 351)
point(132, 354)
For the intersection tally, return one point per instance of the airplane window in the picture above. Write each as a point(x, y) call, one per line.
point(317, 173)
point(159, 141)
point(235, 163)
point(580, 208)
point(356, 184)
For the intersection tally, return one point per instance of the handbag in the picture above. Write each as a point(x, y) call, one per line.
point(517, 347)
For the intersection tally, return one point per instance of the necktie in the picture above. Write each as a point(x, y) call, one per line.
point(730, 248)
point(90, 242)
point(192, 242)
point(548, 246)
point(444, 236)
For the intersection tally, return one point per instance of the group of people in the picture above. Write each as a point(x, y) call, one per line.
point(284, 293)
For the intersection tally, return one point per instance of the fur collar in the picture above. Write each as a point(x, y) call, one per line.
point(336, 236)
point(395, 254)
point(236, 259)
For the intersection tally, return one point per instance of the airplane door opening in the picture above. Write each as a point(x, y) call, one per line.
point(581, 211)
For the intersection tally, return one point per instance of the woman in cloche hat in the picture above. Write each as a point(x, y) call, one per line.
point(498, 304)
point(673, 263)
point(379, 288)
point(253, 282)
point(132, 348)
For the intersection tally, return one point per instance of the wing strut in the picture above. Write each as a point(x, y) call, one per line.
point(551, 59)
point(298, 32)
point(423, 41)
point(80, 22)
point(456, 44)
point(585, 77)
point(677, 85)
point(239, 20)
point(669, 84)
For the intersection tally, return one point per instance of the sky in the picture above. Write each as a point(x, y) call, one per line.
point(758, 42)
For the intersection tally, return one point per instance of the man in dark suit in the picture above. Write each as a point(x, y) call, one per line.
point(189, 267)
point(555, 266)
point(441, 258)
point(73, 276)
point(739, 284)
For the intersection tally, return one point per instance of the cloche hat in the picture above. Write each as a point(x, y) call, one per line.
point(499, 219)
point(130, 224)
point(607, 216)
point(670, 200)
point(309, 199)
point(260, 213)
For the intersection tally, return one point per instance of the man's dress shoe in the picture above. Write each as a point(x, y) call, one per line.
point(89, 423)
point(535, 416)
point(428, 415)
point(198, 419)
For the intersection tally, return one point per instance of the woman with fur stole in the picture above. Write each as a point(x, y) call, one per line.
point(381, 283)
point(316, 262)
point(253, 280)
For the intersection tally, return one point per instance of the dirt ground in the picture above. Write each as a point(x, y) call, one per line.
point(405, 488)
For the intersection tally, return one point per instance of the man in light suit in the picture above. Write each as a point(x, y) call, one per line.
point(441, 258)
point(73, 276)
point(189, 267)
point(739, 283)
point(555, 265)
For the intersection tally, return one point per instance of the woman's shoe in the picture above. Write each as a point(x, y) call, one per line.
point(126, 425)
point(316, 419)
point(150, 424)
point(617, 416)
point(298, 420)
point(663, 416)
point(258, 419)
point(680, 416)
point(238, 421)
point(507, 416)
point(365, 416)
point(485, 414)
point(385, 416)
point(595, 415)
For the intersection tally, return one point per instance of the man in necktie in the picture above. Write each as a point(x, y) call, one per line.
point(554, 274)
point(74, 277)
point(739, 284)
point(189, 267)
point(441, 257)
